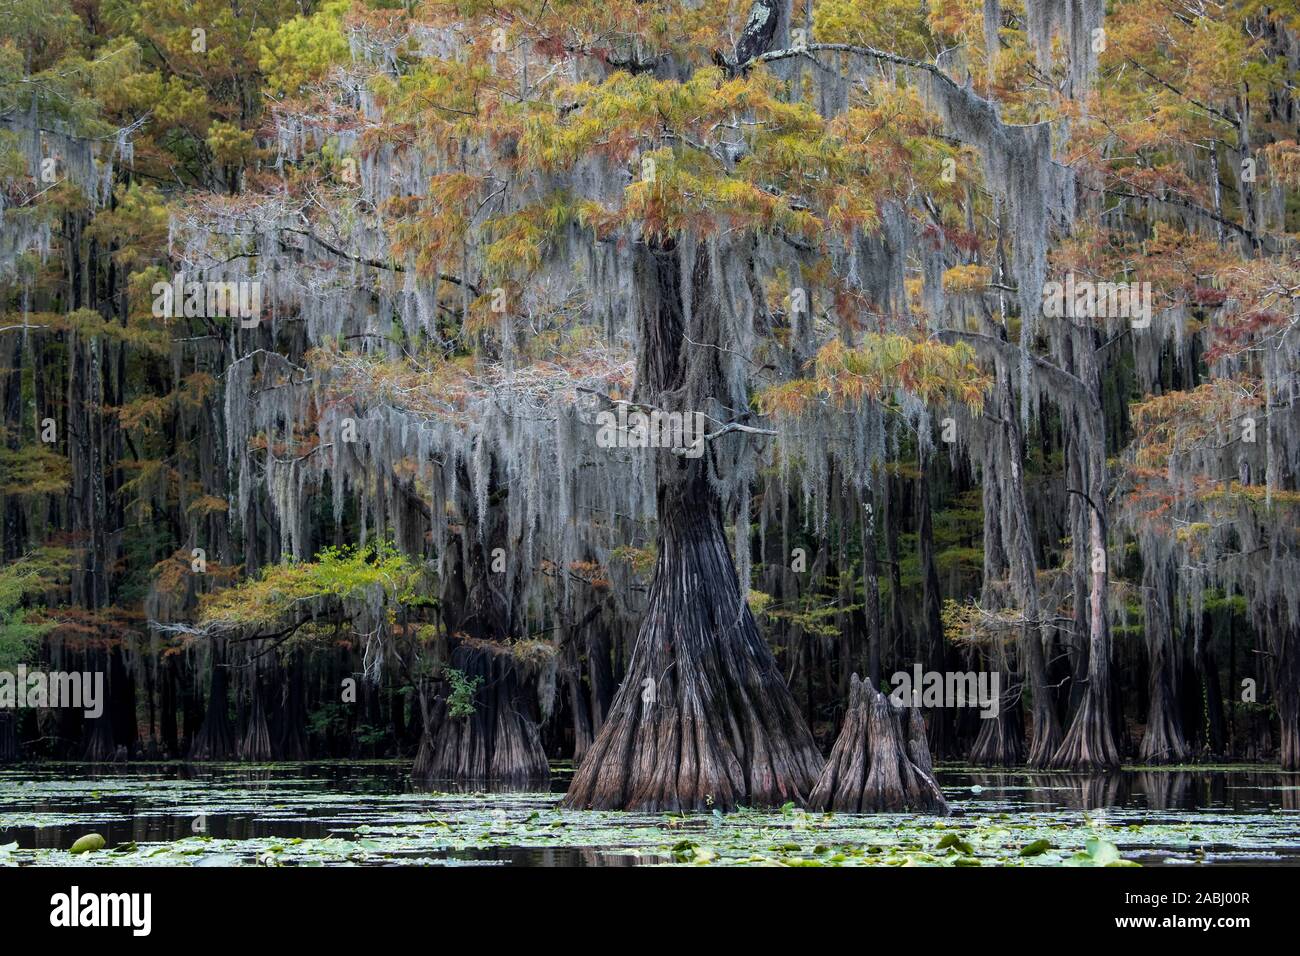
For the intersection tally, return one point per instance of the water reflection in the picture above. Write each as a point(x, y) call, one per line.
point(1239, 789)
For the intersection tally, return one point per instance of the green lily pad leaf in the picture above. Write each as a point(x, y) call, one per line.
point(88, 844)
point(952, 841)
point(1103, 852)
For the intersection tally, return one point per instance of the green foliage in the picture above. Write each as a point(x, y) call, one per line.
point(460, 700)
point(345, 575)
point(305, 48)
point(33, 470)
point(20, 582)
point(1098, 852)
point(328, 720)
point(813, 614)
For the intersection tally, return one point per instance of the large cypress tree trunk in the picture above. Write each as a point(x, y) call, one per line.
point(703, 717)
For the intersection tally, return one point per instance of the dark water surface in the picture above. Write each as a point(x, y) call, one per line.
point(370, 813)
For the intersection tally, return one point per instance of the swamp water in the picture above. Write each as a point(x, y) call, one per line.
point(368, 813)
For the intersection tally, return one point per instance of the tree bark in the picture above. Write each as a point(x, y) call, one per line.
point(1285, 665)
point(1163, 741)
point(499, 743)
point(291, 717)
point(167, 706)
point(215, 739)
point(932, 645)
point(256, 743)
point(8, 736)
point(1090, 742)
point(875, 766)
point(703, 718)
point(1045, 726)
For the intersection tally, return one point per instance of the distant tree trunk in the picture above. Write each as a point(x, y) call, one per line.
point(1000, 740)
point(600, 675)
point(14, 526)
point(893, 527)
point(579, 698)
point(1001, 737)
point(191, 705)
point(703, 718)
point(583, 735)
point(932, 646)
point(1077, 636)
point(167, 706)
point(291, 717)
point(1163, 741)
point(256, 744)
point(1284, 658)
point(1090, 742)
point(1207, 664)
point(1045, 725)
point(122, 701)
point(215, 738)
point(397, 718)
point(8, 736)
point(579, 706)
point(98, 731)
point(871, 588)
